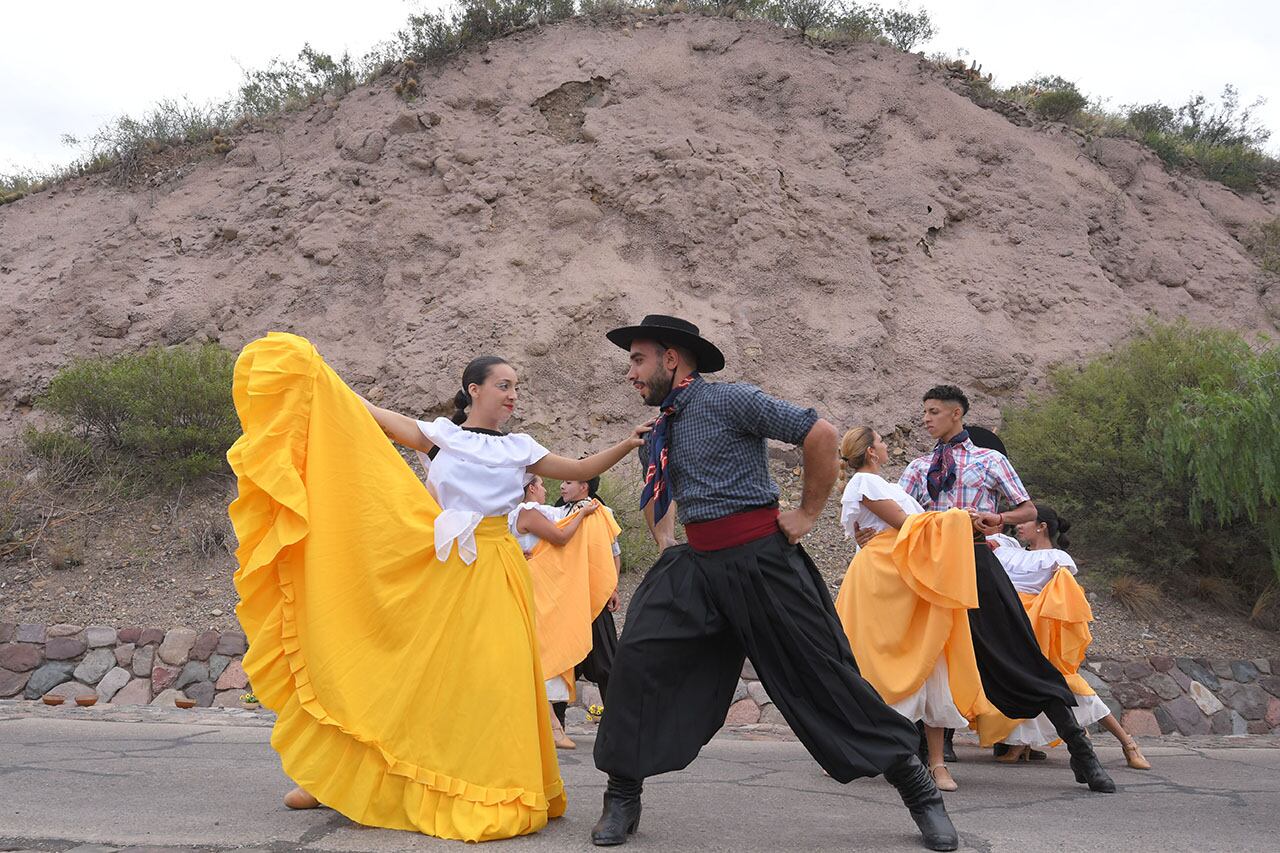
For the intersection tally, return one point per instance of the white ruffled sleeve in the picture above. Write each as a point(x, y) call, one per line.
point(516, 450)
point(1063, 559)
point(850, 503)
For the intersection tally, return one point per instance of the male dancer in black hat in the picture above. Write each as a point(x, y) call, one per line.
point(741, 587)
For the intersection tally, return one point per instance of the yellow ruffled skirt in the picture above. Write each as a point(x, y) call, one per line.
point(571, 585)
point(408, 689)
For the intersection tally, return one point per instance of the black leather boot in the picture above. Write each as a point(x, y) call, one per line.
point(949, 748)
point(923, 799)
point(1084, 762)
point(621, 814)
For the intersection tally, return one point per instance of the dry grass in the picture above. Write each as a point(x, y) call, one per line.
point(1139, 597)
point(1216, 590)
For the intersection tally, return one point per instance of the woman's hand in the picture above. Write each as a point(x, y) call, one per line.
point(637, 438)
point(590, 507)
point(863, 535)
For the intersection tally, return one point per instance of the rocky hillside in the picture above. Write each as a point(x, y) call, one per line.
point(843, 221)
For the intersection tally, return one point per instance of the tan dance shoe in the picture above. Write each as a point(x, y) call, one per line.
point(942, 778)
point(300, 799)
point(1014, 755)
point(558, 735)
point(1133, 756)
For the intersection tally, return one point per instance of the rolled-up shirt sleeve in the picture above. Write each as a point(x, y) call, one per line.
point(756, 413)
point(1006, 480)
point(913, 482)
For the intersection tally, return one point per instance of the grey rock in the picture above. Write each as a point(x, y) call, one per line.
point(1239, 725)
point(30, 633)
point(48, 677)
point(1196, 672)
point(1250, 700)
point(232, 643)
point(1220, 723)
point(1136, 670)
point(758, 694)
point(1095, 681)
point(1222, 669)
point(71, 691)
point(1132, 695)
point(739, 692)
point(177, 646)
point(20, 657)
point(8, 631)
point(64, 629)
point(1163, 685)
point(142, 661)
point(575, 716)
point(12, 683)
point(1271, 684)
point(1204, 698)
point(1185, 715)
point(205, 645)
point(165, 698)
point(100, 635)
point(111, 683)
point(217, 663)
point(1111, 670)
point(771, 715)
point(95, 665)
point(124, 654)
point(192, 672)
point(64, 648)
point(1262, 665)
point(202, 692)
point(136, 692)
point(1243, 671)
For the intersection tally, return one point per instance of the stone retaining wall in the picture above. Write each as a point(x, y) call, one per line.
point(125, 666)
point(1151, 696)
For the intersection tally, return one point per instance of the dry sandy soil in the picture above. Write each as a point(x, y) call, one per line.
point(844, 222)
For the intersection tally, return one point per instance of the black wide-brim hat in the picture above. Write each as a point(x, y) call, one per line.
point(671, 331)
point(983, 437)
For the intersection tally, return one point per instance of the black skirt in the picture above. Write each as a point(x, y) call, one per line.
point(691, 622)
point(1016, 676)
point(599, 661)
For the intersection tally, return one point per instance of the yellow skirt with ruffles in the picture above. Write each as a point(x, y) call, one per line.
point(904, 603)
point(408, 689)
point(1060, 616)
point(571, 585)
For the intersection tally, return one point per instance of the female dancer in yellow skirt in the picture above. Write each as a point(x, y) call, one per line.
point(391, 625)
point(1043, 573)
point(903, 601)
point(571, 563)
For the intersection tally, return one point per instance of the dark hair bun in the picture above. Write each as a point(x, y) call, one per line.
point(460, 402)
point(1063, 525)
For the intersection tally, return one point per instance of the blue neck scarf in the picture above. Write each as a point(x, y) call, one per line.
point(656, 488)
point(942, 470)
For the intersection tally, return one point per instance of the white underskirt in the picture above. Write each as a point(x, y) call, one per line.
point(933, 703)
point(1040, 732)
point(557, 690)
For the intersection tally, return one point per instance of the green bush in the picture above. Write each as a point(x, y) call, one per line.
point(903, 28)
point(165, 415)
point(1061, 105)
point(1163, 454)
point(805, 15)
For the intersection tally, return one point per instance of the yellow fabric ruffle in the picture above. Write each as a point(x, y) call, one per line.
point(408, 690)
point(903, 604)
point(571, 585)
point(1060, 616)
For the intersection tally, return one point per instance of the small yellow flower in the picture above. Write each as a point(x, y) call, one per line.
point(595, 712)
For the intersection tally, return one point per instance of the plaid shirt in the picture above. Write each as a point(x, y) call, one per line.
point(982, 477)
point(718, 462)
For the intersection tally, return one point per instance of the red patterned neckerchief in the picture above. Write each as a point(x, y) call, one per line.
point(655, 476)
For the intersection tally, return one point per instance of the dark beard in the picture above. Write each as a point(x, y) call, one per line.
point(659, 387)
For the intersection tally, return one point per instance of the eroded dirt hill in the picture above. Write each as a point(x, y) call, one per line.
point(842, 222)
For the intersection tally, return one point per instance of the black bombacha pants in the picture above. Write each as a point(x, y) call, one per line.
point(1016, 676)
point(690, 624)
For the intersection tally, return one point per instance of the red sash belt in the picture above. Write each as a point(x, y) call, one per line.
point(732, 530)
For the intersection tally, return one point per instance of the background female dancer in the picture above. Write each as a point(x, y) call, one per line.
point(1043, 574)
point(533, 521)
point(381, 613)
point(904, 619)
point(604, 631)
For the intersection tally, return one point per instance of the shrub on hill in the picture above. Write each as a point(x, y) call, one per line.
point(1164, 455)
point(162, 416)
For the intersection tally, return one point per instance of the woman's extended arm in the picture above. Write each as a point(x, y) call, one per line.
point(887, 511)
point(532, 521)
point(562, 468)
point(401, 429)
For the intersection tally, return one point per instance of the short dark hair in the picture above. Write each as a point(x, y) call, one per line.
point(948, 394)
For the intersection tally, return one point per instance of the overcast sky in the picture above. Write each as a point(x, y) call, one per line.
point(69, 66)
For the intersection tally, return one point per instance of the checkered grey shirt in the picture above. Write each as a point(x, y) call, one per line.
point(717, 457)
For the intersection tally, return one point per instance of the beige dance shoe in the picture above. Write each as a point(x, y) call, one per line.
point(300, 799)
point(943, 779)
point(561, 739)
point(1133, 756)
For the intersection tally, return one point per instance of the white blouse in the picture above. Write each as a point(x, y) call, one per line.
point(473, 476)
point(529, 541)
point(1030, 571)
point(872, 487)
